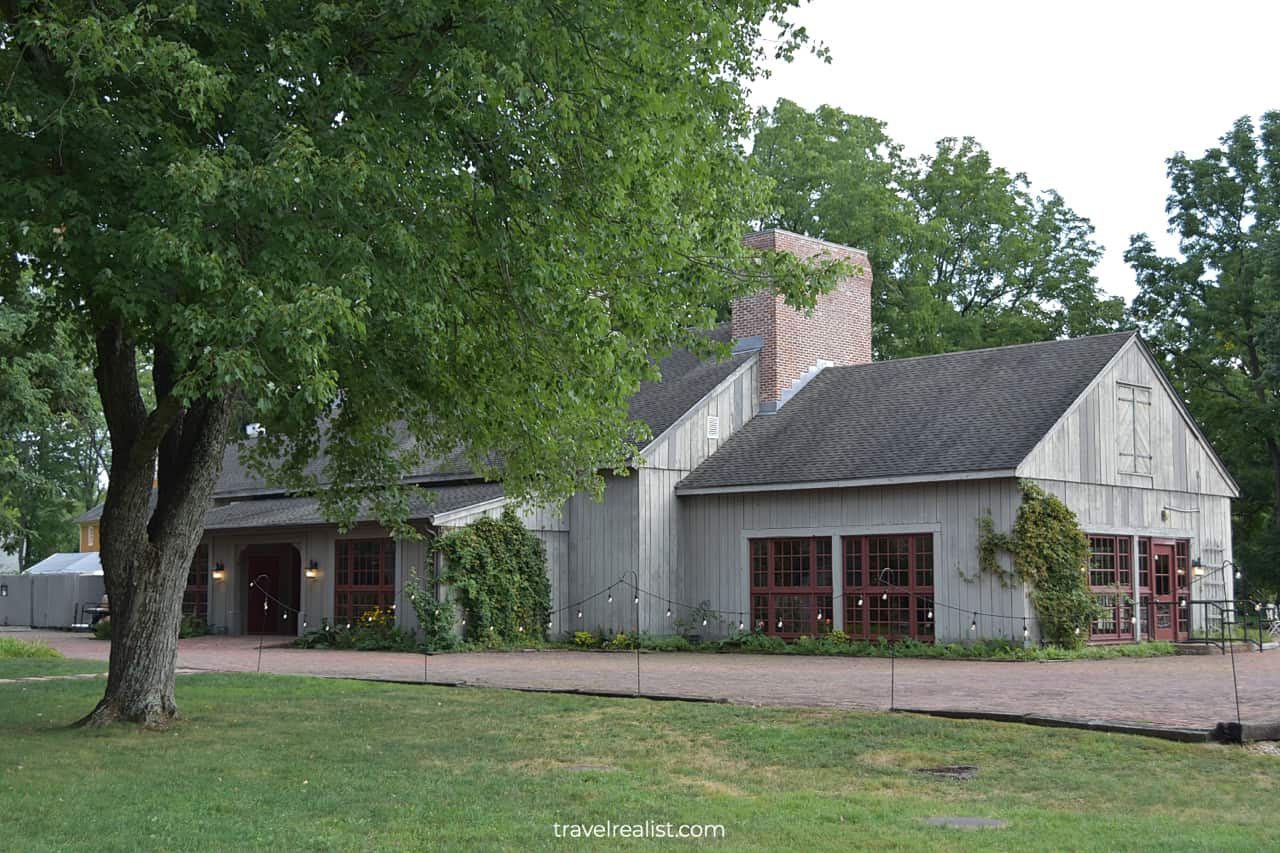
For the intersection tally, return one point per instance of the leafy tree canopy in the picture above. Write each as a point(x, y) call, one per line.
point(1213, 316)
point(52, 438)
point(391, 229)
point(964, 253)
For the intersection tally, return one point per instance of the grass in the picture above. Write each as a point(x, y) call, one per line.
point(13, 648)
point(271, 762)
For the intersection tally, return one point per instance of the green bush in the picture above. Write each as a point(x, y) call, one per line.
point(102, 630)
point(374, 631)
point(753, 642)
point(190, 626)
point(620, 642)
point(435, 618)
point(13, 648)
point(585, 640)
point(498, 572)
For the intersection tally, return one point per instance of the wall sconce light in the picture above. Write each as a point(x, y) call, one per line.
point(312, 571)
point(4, 590)
point(219, 571)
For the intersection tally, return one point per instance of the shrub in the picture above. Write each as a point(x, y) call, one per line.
point(665, 643)
point(498, 571)
point(621, 642)
point(585, 639)
point(753, 642)
point(102, 630)
point(435, 618)
point(190, 626)
point(374, 631)
point(14, 648)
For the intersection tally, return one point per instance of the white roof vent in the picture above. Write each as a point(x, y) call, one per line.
point(713, 427)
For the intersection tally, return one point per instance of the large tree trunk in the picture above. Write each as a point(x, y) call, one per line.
point(146, 552)
point(1273, 453)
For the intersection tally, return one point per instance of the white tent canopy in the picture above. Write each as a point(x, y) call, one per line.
point(68, 564)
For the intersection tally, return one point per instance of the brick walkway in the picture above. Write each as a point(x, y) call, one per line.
point(1193, 692)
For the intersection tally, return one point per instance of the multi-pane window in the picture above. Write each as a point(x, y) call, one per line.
point(888, 586)
point(364, 577)
point(195, 598)
point(1111, 581)
point(791, 585)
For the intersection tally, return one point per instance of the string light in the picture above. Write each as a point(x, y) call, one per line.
point(929, 616)
point(1077, 632)
point(579, 612)
point(704, 621)
point(859, 600)
point(520, 629)
point(819, 614)
point(973, 626)
point(1025, 632)
point(884, 596)
point(779, 623)
point(610, 599)
point(668, 610)
point(637, 599)
point(741, 624)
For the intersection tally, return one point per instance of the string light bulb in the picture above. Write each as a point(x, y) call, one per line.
point(610, 598)
point(668, 611)
point(579, 612)
point(520, 629)
point(779, 623)
point(929, 615)
point(1077, 632)
point(704, 621)
point(1025, 632)
point(549, 623)
point(636, 600)
point(884, 596)
point(741, 625)
point(819, 614)
point(859, 600)
point(973, 626)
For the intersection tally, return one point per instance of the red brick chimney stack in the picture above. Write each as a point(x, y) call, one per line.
point(795, 345)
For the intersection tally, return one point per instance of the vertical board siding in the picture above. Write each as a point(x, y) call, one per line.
point(603, 547)
point(1204, 519)
point(1085, 446)
point(714, 530)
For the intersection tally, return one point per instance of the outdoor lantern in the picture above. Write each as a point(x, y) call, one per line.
point(312, 571)
point(219, 571)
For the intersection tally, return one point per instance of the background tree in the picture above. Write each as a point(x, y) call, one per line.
point(393, 229)
point(964, 253)
point(52, 438)
point(1213, 316)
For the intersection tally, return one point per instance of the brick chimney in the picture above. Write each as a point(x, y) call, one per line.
point(795, 346)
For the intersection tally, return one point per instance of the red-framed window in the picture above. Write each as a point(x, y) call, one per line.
point(364, 577)
point(1111, 582)
point(195, 598)
point(791, 585)
point(888, 586)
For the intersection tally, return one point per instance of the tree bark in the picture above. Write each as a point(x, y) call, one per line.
point(146, 552)
point(1273, 453)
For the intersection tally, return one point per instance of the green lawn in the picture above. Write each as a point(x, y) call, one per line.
point(27, 667)
point(281, 763)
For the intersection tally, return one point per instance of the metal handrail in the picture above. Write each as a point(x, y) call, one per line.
point(1226, 611)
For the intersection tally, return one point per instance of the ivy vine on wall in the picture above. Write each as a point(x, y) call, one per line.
point(1051, 558)
point(497, 570)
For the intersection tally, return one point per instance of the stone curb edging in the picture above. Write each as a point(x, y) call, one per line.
point(1174, 733)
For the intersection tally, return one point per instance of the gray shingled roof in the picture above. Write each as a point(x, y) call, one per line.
point(686, 379)
point(295, 512)
point(964, 412)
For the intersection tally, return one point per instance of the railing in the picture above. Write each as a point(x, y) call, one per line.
point(1225, 621)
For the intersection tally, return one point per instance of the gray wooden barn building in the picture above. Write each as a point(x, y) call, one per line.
point(798, 486)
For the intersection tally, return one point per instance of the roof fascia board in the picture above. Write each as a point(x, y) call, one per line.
point(999, 474)
point(470, 509)
point(752, 359)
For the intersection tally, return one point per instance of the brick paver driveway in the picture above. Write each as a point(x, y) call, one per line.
point(1174, 691)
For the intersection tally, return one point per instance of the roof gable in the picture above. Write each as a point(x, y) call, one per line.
point(955, 415)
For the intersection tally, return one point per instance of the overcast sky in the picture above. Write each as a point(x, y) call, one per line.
point(1087, 98)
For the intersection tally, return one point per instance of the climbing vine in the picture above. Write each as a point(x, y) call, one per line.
point(1051, 558)
point(497, 570)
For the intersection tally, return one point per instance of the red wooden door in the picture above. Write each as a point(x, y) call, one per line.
point(264, 574)
point(1164, 594)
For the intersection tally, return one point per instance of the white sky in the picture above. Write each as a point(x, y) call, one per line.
point(1085, 97)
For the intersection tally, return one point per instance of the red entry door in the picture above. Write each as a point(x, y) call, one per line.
point(264, 613)
point(1164, 593)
